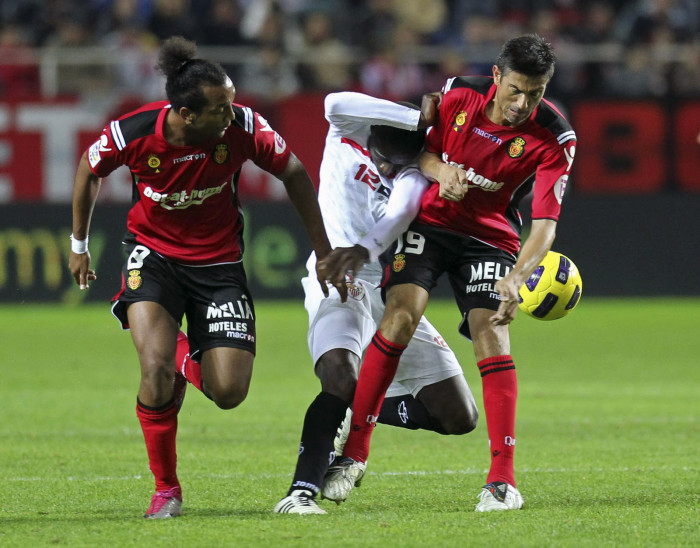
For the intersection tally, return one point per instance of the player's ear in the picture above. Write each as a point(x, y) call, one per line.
point(187, 115)
point(496, 75)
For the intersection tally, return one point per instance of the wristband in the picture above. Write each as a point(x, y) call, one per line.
point(79, 246)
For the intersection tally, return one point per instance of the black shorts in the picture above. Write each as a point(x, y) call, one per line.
point(423, 253)
point(214, 299)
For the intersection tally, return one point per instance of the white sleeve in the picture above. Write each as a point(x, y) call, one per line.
point(350, 111)
point(402, 207)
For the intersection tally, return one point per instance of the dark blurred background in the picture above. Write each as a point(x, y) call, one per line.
point(627, 78)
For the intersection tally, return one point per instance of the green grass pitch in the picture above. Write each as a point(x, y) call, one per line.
point(607, 455)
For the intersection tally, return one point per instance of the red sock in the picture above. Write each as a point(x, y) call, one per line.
point(377, 371)
point(159, 429)
point(500, 386)
point(185, 365)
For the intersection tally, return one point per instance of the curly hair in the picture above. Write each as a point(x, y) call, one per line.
point(530, 54)
point(186, 75)
point(399, 146)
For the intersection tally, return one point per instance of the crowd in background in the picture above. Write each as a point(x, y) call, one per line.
point(390, 48)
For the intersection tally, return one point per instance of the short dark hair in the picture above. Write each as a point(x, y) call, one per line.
point(529, 54)
point(186, 75)
point(398, 146)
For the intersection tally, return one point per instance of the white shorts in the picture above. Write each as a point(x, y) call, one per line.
point(351, 325)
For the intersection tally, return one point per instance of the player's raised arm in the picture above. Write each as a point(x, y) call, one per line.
point(350, 111)
point(86, 187)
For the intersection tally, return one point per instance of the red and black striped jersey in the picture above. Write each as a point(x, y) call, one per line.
point(185, 202)
point(502, 164)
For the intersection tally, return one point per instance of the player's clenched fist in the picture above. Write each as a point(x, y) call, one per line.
point(453, 183)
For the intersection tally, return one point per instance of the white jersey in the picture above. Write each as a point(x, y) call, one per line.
point(356, 207)
point(353, 195)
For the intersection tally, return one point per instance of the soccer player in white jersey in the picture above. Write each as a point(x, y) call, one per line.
point(370, 190)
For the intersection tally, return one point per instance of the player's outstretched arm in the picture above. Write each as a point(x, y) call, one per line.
point(533, 251)
point(86, 187)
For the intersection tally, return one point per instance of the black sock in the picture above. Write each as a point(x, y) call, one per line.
point(407, 412)
point(323, 417)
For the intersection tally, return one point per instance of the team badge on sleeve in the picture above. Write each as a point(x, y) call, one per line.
point(94, 156)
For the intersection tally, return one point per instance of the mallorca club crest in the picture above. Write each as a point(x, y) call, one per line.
point(460, 120)
point(399, 262)
point(134, 281)
point(516, 147)
point(221, 153)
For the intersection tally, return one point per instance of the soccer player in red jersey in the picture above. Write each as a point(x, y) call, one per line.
point(185, 243)
point(493, 140)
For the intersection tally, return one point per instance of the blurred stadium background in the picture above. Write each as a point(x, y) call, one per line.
point(628, 79)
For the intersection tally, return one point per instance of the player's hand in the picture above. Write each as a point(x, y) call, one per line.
point(507, 287)
point(344, 261)
point(320, 276)
point(79, 265)
point(430, 104)
point(324, 278)
point(322, 283)
point(453, 183)
point(339, 267)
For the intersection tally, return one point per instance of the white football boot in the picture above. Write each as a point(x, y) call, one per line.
point(342, 476)
point(299, 501)
point(499, 496)
point(165, 504)
point(341, 436)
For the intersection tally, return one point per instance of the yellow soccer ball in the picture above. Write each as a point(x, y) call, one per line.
point(553, 289)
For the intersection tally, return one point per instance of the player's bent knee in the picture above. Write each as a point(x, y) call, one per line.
point(336, 370)
point(157, 380)
point(461, 422)
point(399, 326)
point(230, 398)
point(459, 428)
point(340, 388)
point(469, 424)
point(341, 384)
